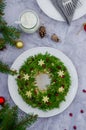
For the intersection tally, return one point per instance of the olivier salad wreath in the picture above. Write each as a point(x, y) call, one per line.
point(54, 93)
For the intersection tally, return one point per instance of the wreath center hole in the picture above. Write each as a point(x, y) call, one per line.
point(43, 80)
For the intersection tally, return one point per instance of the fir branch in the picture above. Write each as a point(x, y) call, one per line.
point(2, 112)
point(9, 119)
point(2, 6)
point(2, 43)
point(4, 68)
point(27, 121)
point(2, 24)
point(9, 34)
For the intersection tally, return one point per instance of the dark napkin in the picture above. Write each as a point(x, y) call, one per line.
point(60, 8)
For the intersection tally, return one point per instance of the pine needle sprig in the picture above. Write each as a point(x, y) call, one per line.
point(2, 43)
point(9, 33)
point(9, 119)
point(2, 24)
point(4, 68)
point(2, 7)
point(27, 121)
point(2, 112)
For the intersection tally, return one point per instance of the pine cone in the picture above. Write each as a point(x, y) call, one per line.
point(42, 31)
point(55, 38)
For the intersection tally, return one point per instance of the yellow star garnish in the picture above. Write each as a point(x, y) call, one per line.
point(41, 62)
point(52, 64)
point(45, 99)
point(29, 94)
point(61, 89)
point(61, 73)
point(26, 76)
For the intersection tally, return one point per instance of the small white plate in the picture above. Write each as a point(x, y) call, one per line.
point(13, 88)
point(50, 10)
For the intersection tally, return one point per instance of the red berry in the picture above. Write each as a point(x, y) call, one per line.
point(70, 114)
point(35, 91)
point(84, 91)
point(62, 76)
point(81, 111)
point(63, 86)
point(74, 127)
point(59, 67)
point(48, 103)
point(55, 80)
point(56, 94)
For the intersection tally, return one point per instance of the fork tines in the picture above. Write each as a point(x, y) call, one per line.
point(79, 4)
point(70, 5)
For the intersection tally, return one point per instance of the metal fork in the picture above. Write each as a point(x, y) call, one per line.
point(79, 4)
point(68, 6)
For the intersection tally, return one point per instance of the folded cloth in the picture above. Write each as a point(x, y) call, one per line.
point(63, 11)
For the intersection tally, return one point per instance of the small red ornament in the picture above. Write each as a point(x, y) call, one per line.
point(2, 100)
point(84, 26)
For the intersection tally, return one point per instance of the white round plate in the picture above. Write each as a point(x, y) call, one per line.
point(50, 10)
point(13, 88)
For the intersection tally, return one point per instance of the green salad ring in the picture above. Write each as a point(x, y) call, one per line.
point(31, 88)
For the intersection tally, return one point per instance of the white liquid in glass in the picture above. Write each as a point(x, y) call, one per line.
point(28, 20)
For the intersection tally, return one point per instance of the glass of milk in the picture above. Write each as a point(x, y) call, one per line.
point(29, 21)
